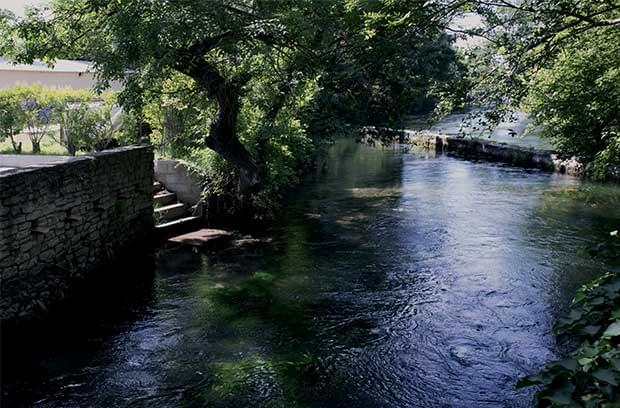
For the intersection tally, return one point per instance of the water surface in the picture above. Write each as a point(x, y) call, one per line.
point(391, 279)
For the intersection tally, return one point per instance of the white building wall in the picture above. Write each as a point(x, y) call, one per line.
point(75, 80)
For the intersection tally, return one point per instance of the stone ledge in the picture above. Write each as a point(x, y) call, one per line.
point(27, 163)
point(474, 148)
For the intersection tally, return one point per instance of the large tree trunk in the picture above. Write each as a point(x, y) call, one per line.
point(222, 136)
point(223, 139)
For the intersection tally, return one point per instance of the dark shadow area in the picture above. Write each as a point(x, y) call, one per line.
point(96, 309)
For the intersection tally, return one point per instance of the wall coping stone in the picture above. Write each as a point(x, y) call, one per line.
point(62, 160)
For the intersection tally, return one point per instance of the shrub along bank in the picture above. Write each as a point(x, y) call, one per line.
point(590, 375)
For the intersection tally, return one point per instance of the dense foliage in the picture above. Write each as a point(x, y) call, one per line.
point(12, 119)
point(557, 59)
point(82, 118)
point(576, 99)
point(257, 82)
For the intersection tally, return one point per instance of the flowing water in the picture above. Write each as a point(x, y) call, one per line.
point(390, 279)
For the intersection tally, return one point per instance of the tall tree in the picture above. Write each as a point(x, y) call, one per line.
point(523, 38)
point(223, 45)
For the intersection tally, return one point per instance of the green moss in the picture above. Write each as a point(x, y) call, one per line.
point(263, 381)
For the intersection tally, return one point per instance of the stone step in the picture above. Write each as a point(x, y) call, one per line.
point(164, 198)
point(202, 237)
point(157, 187)
point(170, 212)
point(178, 226)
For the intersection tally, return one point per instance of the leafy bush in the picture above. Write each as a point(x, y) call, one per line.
point(38, 121)
point(85, 119)
point(590, 376)
point(84, 127)
point(12, 119)
point(576, 100)
point(606, 160)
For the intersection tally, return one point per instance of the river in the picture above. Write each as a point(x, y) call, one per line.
point(390, 279)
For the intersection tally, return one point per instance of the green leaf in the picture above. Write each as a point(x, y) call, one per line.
point(599, 300)
point(612, 331)
point(573, 317)
point(591, 330)
point(605, 375)
point(530, 380)
point(615, 362)
point(561, 393)
point(569, 364)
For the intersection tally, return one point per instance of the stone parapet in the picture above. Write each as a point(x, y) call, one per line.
point(60, 219)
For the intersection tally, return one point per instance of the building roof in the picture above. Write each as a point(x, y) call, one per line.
point(38, 66)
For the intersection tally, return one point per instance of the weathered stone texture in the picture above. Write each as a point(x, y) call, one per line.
point(62, 220)
point(476, 148)
point(180, 178)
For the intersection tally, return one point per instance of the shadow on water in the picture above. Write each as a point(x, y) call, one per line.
point(34, 353)
point(391, 279)
point(571, 225)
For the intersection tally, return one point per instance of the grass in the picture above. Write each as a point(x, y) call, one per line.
point(49, 146)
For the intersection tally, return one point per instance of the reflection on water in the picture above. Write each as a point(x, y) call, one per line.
point(515, 132)
point(391, 280)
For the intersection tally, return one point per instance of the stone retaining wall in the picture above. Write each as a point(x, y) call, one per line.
point(61, 220)
point(178, 177)
point(475, 148)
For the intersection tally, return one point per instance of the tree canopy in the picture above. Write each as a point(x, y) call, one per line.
point(371, 59)
point(232, 72)
point(558, 60)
